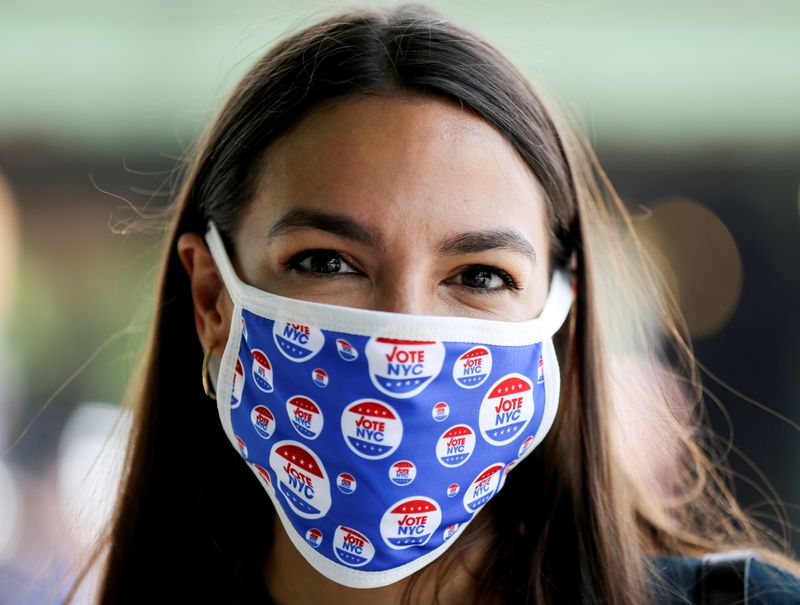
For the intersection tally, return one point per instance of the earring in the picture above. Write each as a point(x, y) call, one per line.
point(206, 382)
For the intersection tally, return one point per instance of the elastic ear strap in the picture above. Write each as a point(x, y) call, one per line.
point(217, 249)
point(559, 302)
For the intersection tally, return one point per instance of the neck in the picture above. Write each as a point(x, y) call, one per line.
point(290, 579)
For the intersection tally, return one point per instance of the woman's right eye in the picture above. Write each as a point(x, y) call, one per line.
point(319, 263)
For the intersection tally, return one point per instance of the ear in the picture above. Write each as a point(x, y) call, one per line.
point(213, 306)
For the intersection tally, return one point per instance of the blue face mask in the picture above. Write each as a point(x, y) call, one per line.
point(379, 436)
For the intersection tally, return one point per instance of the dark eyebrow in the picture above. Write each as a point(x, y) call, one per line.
point(472, 242)
point(338, 224)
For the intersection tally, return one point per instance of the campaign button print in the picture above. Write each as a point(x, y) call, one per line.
point(540, 373)
point(450, 531)
point(319, 377)
point(305, 415)
point(263, 421)
point(301, 479)
point(402, 472)
point(455, 445)
point(507, 408)
point(452, 490)
point(505, 472)
point(483, 487)
point(403, 368)
point(297, 342)
point(346, 350)
point(238, 384)
point(440, 411)
point(524, 446)
point(264, 475)
point(314, 537)
point(352, 547)
point(242, 446)
point(346, 483)
point(410, 522)
point(262, 371)
point(244, 329)
point(473, 367)
point(372, 429)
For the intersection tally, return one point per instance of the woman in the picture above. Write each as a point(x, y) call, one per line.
point(388, 166)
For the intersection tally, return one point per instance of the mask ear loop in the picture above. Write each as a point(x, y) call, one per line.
point(220, 256)
point(207, 387)
point(563, 290)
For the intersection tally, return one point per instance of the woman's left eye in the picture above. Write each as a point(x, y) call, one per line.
point(482, 279)
point(320, 263)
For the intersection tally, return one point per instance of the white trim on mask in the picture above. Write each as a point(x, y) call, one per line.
point(345, 319)
point(341, 574)
point(368, 321)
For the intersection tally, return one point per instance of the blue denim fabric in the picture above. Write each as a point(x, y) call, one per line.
point(674, 580)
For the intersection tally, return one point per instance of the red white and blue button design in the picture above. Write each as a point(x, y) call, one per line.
point(473, 367)
point(305, 416)
point(352, 547)
point(263, 421)
point(440, 411)
point(238, 384)
point(455, 445)
point(242, 446)
point(450, 531)
point(346, 350)
point(298, 342)
point(540, 373)
point(371, 474)
point(523, 447)
point(482, 487)
point(505, 472)
point(507, 408)
point(346, 483)
point(263, 475)
point(262, 371)
point(410, 522)
point(314, 537)
point(402, 472)
point(301, 479)
point(403, 368)
point(320, 377)
point(371, 428)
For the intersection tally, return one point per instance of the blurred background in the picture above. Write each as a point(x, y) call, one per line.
point(693, 109)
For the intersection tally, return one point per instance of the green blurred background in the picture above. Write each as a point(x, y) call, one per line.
point(693, 109)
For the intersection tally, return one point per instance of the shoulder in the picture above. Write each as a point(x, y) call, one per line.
point(685, 580)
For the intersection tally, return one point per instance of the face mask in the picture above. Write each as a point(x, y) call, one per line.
point(379, 436)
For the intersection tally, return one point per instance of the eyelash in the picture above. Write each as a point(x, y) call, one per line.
point(293, 264)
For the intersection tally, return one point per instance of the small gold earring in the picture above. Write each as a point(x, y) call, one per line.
point(206, 382)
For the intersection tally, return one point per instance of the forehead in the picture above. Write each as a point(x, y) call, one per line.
point(396, 162)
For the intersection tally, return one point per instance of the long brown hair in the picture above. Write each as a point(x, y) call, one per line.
point(577, 520)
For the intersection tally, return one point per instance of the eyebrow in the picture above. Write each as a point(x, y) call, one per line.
point(469, 242)
point(472, 242)
point(338, 224)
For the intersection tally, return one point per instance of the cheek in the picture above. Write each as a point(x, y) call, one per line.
point(503, 306)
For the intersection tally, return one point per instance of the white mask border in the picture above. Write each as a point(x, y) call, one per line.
point(392, 324)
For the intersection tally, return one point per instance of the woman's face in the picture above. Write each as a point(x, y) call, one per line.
point(404, 205)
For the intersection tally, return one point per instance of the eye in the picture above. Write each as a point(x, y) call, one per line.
point(483, 279)
point(319, 262)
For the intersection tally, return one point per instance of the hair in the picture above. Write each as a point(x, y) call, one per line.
point(578, 521)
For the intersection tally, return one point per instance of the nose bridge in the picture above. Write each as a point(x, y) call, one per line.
point(403, 289)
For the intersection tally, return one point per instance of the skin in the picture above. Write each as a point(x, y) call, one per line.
point(415, 172)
